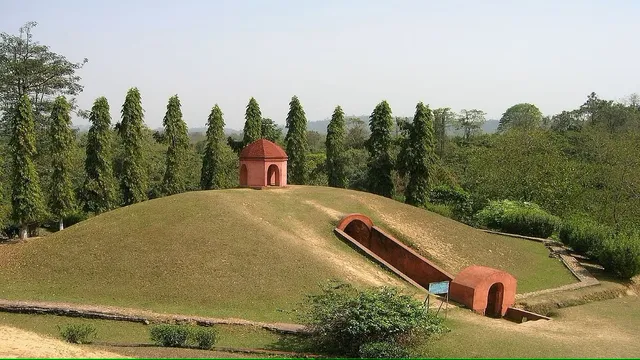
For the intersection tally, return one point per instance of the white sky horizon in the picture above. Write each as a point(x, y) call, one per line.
point(486, 55)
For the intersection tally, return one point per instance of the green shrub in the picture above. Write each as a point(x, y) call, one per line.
point(620, 254)
point(518, 217)
point(584, 235)
point(440, 209)
point(183, 336)
point(78, 333)
point(342, 318)
point(443, 194)
point(383, 350)
point(204, 337)
point(170, 335)
point(458, 201)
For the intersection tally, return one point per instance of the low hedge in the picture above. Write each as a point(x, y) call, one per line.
point(518, 217)
point(584, 235)
point(183, 336)
point(620, 254)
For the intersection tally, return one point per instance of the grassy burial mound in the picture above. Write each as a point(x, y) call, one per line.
point(244, 253)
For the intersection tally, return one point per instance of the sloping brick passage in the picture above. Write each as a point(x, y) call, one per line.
point(485, 290)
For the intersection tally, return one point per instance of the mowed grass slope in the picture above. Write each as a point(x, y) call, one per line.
point(244, 253)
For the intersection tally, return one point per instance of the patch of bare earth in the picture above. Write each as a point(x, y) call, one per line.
point(15, 343)
point(333, 213)
point(354, 268)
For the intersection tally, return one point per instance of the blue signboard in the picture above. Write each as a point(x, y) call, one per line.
point(441, 287)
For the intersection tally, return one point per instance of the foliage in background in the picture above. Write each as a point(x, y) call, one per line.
point(518, 217)
point(252, 123)
point(584, 235)
point(419, 156)
point(32, 69)
point(211, 174)
point(296, 143)
point(133, 177)
point(271, 131)
point(380, 163)
point(175, 134)
point(620, 254)
point(61, 196)
point(26, 198)
point(521, 116)
point(335, 147)
point(98, 190)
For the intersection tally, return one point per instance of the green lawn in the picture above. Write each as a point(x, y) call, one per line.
point(244, 253)
point(600, 329)
point(110, 333)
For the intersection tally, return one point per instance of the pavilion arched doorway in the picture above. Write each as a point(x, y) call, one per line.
point(244, 175)
point(273, 175)
point(494, 300)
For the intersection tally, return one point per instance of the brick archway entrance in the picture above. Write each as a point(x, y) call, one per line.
point(273, 175)
point(244, 175)
point(494, 300)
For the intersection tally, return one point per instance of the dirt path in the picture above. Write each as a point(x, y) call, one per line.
point(132, 315)
point(21, 343)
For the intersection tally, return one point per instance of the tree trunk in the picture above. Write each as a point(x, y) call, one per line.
point(61, 225)
point(24, 233)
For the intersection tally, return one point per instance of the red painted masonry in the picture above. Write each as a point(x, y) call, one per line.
point(485, 290)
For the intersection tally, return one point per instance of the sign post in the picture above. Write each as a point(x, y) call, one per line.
point(439, 288)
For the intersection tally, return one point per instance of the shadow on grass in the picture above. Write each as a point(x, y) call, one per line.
point(302, 345)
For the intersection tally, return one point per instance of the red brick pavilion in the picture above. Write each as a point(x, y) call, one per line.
point(262, 164)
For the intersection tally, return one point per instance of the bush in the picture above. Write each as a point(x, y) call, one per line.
point(170, 335)
point(342, 318)
point(440, 209)
point(183, 336)
point(78, 333)
point(382, 350)
point(584, 235)
point(459, 202)
point(443, 194)
point(517, 217)
point(204, 337)
point(620, 254)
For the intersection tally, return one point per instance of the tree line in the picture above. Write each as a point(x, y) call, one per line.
point(578, 162)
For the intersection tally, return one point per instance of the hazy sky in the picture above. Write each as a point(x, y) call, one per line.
point(462, 54)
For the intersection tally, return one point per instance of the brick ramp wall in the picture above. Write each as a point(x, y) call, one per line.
point(399, 258)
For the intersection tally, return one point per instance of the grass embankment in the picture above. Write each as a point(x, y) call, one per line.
point(132, 339)
point(600, 329)
point(245, 253)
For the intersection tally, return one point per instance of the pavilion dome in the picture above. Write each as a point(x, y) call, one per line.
point(263, 149)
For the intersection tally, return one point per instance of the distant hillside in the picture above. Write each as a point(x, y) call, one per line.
point(489, 127)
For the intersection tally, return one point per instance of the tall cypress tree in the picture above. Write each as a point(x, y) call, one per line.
point(296, 142)
point(380, 165)
point(99, 193)
point(176, 134)
point(421, 154)
point(61, 197)
point(26, 196)
point(335, 149)
point(252, 123)
point(210, 177)
point(132, 177)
